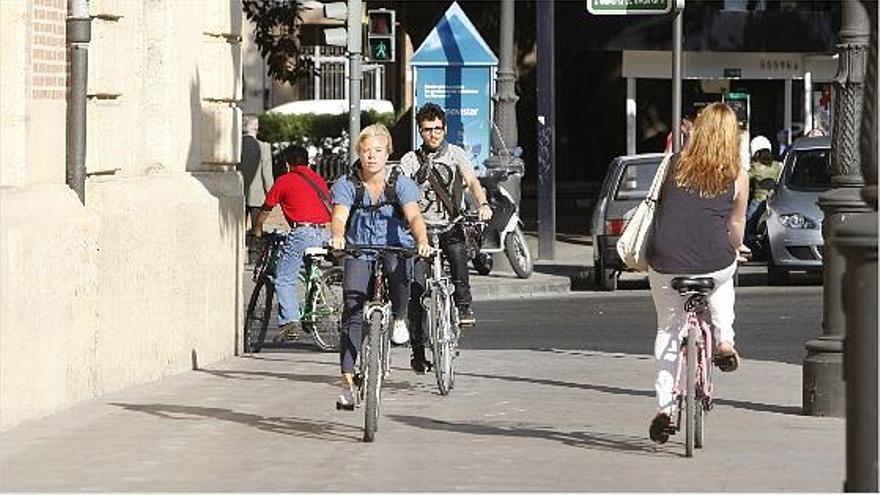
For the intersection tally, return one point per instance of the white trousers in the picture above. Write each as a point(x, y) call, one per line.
point(672, 325)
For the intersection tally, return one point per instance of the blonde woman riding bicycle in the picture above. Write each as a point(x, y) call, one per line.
point(698, 232)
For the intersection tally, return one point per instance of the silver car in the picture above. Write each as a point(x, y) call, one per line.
point(793, 218)
point(626, 185)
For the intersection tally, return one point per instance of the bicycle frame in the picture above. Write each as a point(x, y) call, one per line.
point(700, 330)
point(441, 319)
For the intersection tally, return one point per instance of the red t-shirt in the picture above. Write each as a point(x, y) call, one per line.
point(299, 201)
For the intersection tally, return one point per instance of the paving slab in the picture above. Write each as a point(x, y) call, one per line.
point(541, 420)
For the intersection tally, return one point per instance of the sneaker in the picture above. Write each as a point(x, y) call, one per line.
point(418, 363)
point(726, 357)
point(399, 333)
point(345, 401)
point(288, 331)
point(659, 430)
point(466, 316)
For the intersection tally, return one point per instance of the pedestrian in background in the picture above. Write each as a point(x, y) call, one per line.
point(256, 172)
point(305, 202)
point(698, 231)
point(763, 167)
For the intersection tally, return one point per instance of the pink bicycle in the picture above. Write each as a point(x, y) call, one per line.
point(696, 352)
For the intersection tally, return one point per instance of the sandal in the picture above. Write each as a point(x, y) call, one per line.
point(660, 428)
point(726, 362)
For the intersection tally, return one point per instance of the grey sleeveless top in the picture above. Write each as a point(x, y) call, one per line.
point(690, 233)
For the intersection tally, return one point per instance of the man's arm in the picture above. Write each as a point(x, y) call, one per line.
point(476, 189)
point(417, 225)
point(257, 228)
point(337, 226)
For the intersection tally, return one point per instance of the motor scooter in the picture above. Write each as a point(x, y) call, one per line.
point(504, 231)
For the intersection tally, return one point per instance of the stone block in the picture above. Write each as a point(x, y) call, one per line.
point(221, 134)
point(112, 136)
point(111, 55)
point(220, 69)
point(223, 18)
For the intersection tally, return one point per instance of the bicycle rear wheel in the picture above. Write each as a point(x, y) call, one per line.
point(326, 308)
point(444, 368)
point(259, 311)
point(690, 415)
point(374, 360)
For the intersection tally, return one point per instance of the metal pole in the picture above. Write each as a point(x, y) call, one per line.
point(858, 242)
point(505, 136)
point(79, 33)
point(824, 393)
point(354, 77)
point(630, 116)
point(676, 75)
point(546, 131)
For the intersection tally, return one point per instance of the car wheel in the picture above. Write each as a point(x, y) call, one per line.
point(776, 275)
point(605, 278)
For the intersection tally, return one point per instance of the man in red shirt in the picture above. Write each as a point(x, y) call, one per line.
point(305, 202)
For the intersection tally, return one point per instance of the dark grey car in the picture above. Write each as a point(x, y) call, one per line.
point(626, 185)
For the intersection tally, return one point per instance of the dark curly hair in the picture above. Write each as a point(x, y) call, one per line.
point(430, 111)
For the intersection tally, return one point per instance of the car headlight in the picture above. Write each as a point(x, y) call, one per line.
point(798, 221)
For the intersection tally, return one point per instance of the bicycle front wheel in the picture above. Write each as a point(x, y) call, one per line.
point(259, 311)
point(690, 394)
point(444, 369)
point(326, 309)
point(374, 364)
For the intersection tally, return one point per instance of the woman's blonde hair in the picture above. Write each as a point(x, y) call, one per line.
point(710, 160)
point(373, 131)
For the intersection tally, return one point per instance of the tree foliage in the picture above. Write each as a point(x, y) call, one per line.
point(276, 33)
point(277, 28)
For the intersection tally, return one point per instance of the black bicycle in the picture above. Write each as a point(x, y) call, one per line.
point(374, 360)
point(320, 309)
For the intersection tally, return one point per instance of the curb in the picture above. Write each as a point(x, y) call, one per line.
point(531, 288)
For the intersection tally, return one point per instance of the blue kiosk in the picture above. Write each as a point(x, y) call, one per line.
point(455, 69)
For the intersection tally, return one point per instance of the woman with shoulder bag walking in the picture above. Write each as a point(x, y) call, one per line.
point(698, 232)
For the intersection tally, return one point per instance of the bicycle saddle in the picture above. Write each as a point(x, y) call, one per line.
point(315, 251)
point(702, 285)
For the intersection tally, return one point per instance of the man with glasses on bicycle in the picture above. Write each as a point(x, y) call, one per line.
point(442, 170)
point(374, 206)
point(305, 202)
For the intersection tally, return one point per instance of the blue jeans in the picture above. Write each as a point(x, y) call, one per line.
point(356, 291)
point(289, 264)
point(754, 211)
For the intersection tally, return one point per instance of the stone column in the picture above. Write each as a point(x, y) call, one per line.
point(823, 388)
point(857, 240)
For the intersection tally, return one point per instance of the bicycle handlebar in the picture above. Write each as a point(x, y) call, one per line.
point(357, 250)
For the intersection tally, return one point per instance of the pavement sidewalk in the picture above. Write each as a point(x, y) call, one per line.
point(525, 420)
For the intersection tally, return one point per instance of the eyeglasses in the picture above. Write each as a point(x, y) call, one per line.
point(436, 130)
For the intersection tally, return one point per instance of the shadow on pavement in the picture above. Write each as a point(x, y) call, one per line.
point(739, 404)
point(582, 439)
point(306, 428)
point(332, 379)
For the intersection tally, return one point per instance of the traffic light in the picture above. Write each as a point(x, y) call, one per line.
point(380, 35)
point(337, 36)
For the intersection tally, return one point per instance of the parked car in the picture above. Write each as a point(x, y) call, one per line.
point(793, 220)
point(626, 185)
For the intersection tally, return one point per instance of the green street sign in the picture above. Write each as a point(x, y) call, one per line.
point(629, 7)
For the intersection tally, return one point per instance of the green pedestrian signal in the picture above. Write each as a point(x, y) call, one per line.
point(380, 35)
point(380, 50)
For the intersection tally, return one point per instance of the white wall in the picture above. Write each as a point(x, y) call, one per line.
point(145, 277)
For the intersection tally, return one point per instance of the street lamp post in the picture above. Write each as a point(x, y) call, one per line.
point(504, 139)
point(858, 243)
point(823, 387)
